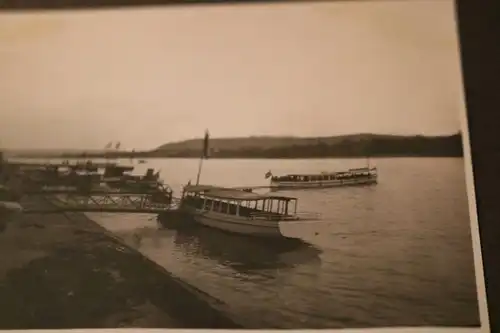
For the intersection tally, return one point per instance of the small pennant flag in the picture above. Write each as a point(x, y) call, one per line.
point(118, 144)
point(268, 174)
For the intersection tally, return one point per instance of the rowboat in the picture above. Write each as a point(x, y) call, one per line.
point(240, 212)
point(351, 177)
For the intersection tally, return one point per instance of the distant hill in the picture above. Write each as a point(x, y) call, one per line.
point(334, 146)
point(355, 145)
point(261, 142)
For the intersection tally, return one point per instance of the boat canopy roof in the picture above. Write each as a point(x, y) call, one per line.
point(231, 193)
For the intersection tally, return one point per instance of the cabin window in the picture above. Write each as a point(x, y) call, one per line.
point(232, 207)
point(243, 209)
point(284, 207)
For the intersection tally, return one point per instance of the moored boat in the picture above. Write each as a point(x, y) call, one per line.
point(119, 178)
point(240, 212)
point(351, 177)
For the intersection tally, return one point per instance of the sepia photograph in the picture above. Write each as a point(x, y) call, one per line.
point(293, 165)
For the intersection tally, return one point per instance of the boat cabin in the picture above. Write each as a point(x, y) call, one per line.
point(239, 203)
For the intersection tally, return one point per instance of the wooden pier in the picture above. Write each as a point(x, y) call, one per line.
point(85, 194)
point(153, 201)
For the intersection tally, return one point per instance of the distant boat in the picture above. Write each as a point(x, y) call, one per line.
point(351, 177)
point(240, 212)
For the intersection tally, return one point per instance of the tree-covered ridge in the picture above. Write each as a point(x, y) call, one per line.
point(335, 146)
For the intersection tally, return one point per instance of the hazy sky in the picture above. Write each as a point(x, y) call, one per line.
point(150, 76)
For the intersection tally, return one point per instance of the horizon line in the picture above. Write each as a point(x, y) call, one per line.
point(459, 132)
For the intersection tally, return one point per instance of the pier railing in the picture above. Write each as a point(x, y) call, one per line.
point(67, 199)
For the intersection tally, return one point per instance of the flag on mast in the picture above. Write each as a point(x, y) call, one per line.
point(117, 145)
point(108, 145)
point(205, 145)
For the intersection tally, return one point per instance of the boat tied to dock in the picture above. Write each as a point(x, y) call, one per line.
point(241, 212)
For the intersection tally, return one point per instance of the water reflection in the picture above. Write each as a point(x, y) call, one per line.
point(242, 253)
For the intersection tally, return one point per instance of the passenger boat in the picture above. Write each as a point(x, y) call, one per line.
point(351, 177)
point(240, 212)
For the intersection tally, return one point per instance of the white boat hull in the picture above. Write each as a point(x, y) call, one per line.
point(237, 224)
point(323, 183)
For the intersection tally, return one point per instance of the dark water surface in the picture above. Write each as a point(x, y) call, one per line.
point(395, 254)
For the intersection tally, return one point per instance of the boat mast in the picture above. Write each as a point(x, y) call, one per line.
point(367, 152)
point(199, 170)
point(203, 156)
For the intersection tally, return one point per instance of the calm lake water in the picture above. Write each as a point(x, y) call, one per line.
point(395, 254)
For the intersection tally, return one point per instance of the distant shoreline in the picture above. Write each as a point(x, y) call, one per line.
point(348, 146)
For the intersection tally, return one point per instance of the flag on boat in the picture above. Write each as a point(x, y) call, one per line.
point(118, 144)
point(108, 145)
point(205, 145)
point(268, 174)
